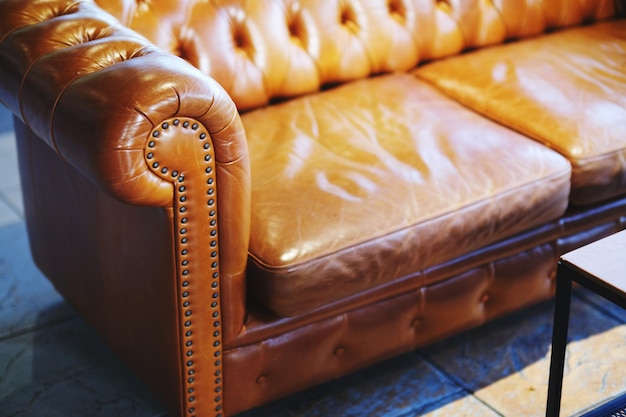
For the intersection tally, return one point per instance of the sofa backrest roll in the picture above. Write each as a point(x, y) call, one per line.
point(263, 50)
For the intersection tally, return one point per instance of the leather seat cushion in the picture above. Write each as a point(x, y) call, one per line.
point(566, 90)
point(377, 179)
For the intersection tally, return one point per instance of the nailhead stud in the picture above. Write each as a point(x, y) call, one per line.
point(185, 272)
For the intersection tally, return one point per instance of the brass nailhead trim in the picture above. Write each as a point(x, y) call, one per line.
point(186, 278)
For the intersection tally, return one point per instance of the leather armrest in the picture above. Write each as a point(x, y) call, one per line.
point(99, 94)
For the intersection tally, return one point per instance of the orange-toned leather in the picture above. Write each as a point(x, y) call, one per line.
point(88, 89)
point(565, 90)
point(279, 357)
point(371, 171)
point(578, 226)
point(264, 49)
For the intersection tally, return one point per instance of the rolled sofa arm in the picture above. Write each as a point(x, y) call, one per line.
point(145, 127)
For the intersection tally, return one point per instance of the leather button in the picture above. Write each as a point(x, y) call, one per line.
point(339, 351)
point(261, 380)
point(416, 323)
point(552, 274)
point(484, 298)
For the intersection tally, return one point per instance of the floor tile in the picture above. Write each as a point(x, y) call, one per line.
point(594, 371)
point(6, 119)
point(8, 214)
point(27, 300)
point(65, 370)
point(12, 196)
point(9, 173)
point(10, 191)
point(467, 406)
point(7, 142)
point(507, 366)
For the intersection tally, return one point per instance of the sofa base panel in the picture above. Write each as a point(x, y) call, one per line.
point(309, 352)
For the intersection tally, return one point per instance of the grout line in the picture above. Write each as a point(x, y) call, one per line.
point(496, 412)
point(455, 381)
point(7, 201)
point(38, 326)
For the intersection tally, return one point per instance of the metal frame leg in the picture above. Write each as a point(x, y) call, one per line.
point(559, 340)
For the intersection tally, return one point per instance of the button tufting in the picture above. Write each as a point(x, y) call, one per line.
point(484, 298)
point(295, 26)
point(397, 9)
point(241, 37)
point(346, 16)
point(339, 351)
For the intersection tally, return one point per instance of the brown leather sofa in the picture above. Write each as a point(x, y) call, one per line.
point(316, 185)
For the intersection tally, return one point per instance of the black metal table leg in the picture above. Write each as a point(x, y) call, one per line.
point(559, 340)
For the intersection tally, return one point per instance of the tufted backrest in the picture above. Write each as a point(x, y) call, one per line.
point(260, 50)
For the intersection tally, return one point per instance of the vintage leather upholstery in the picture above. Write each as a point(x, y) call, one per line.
point(389, 154)
point(317, 185)
point(536, 86)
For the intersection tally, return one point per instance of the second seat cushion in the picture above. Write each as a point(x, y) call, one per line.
point(379, 179)
point(565, 89)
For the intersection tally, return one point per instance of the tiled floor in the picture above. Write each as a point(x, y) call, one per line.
point(52, 364)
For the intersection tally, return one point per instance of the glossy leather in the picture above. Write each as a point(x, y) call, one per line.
point(265, 49)
point(369, 173)
point(156, 193)
point(566, 90)
point(277, 357)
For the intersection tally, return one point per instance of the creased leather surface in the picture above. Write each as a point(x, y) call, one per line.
point(381, 178)
point(567, 90)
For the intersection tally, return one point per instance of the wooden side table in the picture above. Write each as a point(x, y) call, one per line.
point(600, 267)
